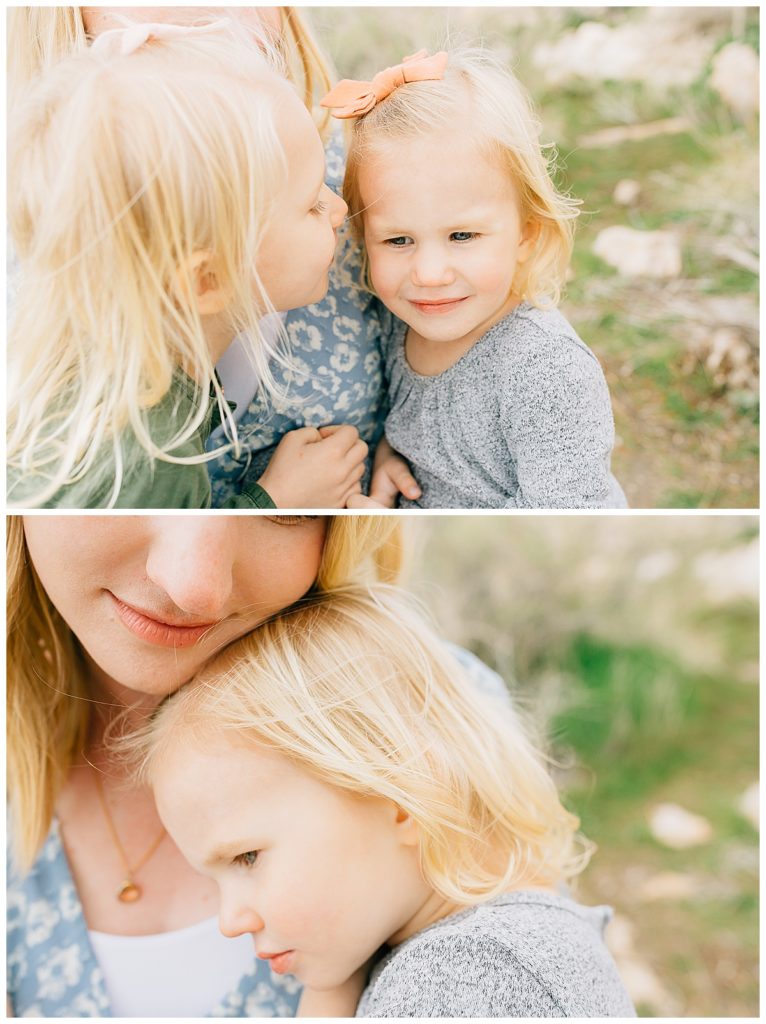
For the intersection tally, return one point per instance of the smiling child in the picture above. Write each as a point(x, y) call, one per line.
point(494, 399)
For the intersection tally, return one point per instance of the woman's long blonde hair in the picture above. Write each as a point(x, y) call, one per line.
point(38, 37)
point(358, 690)
point(124, 170)
point(49, 709)
point(482, 100)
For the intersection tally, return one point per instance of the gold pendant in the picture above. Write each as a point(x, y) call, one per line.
point(128, 892)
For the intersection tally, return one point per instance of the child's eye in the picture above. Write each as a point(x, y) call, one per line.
point(398, 242)
point(246, 860)
point(463, 236)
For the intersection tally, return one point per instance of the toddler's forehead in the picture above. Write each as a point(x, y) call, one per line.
point(415, 163)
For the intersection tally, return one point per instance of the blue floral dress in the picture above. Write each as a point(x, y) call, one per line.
point(337, 372)
point(52, 969)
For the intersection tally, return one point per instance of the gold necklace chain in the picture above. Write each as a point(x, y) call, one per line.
point(128, 891)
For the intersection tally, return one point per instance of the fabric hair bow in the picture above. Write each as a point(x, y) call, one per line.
point(123, 41)
point(353, 99)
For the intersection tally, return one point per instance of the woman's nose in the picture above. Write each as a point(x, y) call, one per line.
point(192, 559)
point(235, 919)
point(431, 268)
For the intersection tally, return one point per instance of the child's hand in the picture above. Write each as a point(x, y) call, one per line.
point(340, 1001)
point(316, 468)
point(391, 477)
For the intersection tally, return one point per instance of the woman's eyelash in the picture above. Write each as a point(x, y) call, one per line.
point(244, 859)
point(319, 207)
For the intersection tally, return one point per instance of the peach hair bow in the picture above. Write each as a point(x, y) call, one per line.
point(353, 99)
point(123, 41)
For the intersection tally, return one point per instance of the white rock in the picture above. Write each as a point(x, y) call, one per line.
point(656, 566)
point(735, 79)
point(678, 828)
point(729, 575)
point(645, 988)
point(731, 360)
point(626, 192)
point(668, 885)
point(639, 253)
point(749, 804)
point(637, 51)
point(620, 936)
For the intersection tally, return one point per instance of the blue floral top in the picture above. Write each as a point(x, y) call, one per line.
point(52, 969)
point(337, 372)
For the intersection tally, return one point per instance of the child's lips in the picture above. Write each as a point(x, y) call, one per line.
point(433, 307)
point(280, 963)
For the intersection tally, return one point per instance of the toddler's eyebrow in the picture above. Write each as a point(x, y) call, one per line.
point(474, 214)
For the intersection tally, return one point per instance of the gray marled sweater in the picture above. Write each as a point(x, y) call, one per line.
point(523, 954)
point(522, 420)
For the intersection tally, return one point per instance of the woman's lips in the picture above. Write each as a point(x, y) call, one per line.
point(433, 308)
point(280, 963)
point(157, 631)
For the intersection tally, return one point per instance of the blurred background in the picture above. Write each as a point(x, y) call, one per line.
point(633, 641)
point(654, 112)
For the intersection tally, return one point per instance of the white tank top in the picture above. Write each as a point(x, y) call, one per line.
point(184, 973)
point(236, 371)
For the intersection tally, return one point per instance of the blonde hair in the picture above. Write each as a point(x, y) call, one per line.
point(38, 37)
point(358, 690)
point(49, 708)
point(122, 170)
point(478, 90)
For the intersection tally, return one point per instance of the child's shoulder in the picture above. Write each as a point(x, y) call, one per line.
point(540, 334)
point(524, 954)
point(534, 349)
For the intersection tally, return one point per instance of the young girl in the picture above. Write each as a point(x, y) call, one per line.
point(494, 400)
point(167, 190)
point(373, 819)
point(337, 381)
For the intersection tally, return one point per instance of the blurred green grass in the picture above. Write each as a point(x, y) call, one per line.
point(633, 642)
point(685, 440)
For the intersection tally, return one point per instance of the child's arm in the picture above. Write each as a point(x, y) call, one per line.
point(391, 477)
point(315, 468)
point(559, 427)
point(336, 1002)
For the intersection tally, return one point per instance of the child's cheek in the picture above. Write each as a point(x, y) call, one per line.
point(492, 275)
point(383, 274)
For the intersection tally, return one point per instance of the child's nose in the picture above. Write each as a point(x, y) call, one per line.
point(431, 268)
point(234, 920)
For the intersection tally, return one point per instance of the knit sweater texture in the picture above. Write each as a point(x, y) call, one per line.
point(522, 420)
point(522, 954)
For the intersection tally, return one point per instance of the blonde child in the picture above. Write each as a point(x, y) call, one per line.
point(166, 190)
point(379, 825)
point(494, 399)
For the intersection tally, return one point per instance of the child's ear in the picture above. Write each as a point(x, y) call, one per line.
point(406, 827)
point(529, 235)
point(197, 279)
